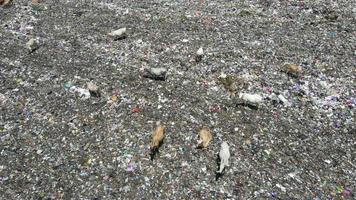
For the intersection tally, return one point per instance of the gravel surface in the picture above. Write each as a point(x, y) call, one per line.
point(292, 138)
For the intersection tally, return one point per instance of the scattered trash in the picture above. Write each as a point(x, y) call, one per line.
point(157, 139)
point(158, 74)
point(228, 82)
point(199, 55)
point(83, 174)
point(224, 157)
point(5, 2)
point(293, 69)
point(83, 93)
point(346, 193)
point(283, 100)
point(53, 141)
point(331, 15)
point(118, 34)
point(251, 98)
point(93, 89)
point(68, 85)
point(215, 109)
point(3, 99)
point(266, 155)
point(351, 102)
point(136, 110)
point(327, 161)
point(339, 189)
point(32, 45)
point(114, 98)
point(281, 187)
point(205, 137)
point(131, 167)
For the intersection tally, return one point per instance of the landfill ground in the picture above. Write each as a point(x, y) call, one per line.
point(59, 141)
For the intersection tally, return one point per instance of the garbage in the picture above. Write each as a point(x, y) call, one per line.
point(158, 73)
point(266, 154)
point(281, 187)
point(351, 102)
point(293, 69)
point(199, 54)
point(283, 100)
point(306, 147)
point(32, 45)
point(93, 89)
point(157, 139)
point(83, 93)
point(131, 167)
point(5, 2)
point(331, 15)
point(83, 174)
point(215, 109)
point(118, 34)
point(227, 81)
point(205, 137)
point(224, 157)
point(3, 99)
point(251, 98)
point(114, 98)
point(346, 193)
point(68, 85)
point(136, 110)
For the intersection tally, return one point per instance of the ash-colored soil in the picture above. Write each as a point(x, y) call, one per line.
point(57, 144)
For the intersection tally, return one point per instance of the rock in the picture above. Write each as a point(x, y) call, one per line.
point(156, 73)
point(32, 45)
point(93, 89)
point(118, 34)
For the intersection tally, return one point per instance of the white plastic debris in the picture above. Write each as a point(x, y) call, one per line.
point(93, 89)
point(156, 73)
point(283, 100)
point(224, 156)
point(83, 93)
point(200, 51)
point(222, 75)
point(199, 55)
point(281, 187)
point(327, 161)
point(251, 98)
point(3, 99)
point(118, 34)
point(32, 45)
